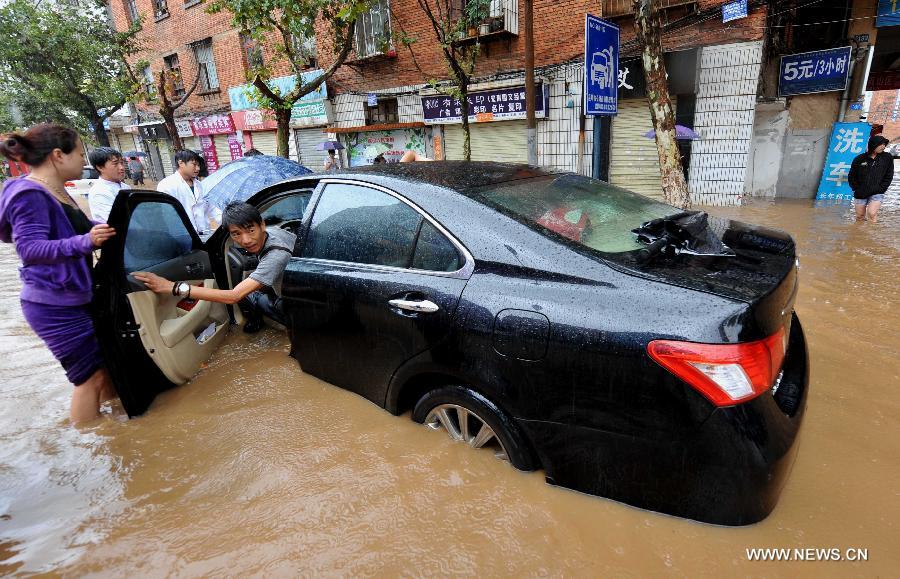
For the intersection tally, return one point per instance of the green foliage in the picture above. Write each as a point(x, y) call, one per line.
point(63, 58)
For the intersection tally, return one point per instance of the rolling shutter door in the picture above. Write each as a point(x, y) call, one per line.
point(502, 141)
point(634, 160)
point(264, 142)
point(165, 157)
point(307, 140)
point(192, 143)
point(223, 151)
point(126, 143)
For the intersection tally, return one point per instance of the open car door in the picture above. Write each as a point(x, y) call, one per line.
point(153, 342)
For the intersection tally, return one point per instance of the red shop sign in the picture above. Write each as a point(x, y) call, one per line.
point(213, 125)
point(254, 120)
point(208, 147)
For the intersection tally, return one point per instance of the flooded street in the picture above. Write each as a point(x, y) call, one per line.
point(255, 468)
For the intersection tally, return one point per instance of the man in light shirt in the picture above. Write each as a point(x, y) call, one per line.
point(111, 166)
point(184, 186)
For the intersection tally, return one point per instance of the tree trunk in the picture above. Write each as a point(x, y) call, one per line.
point(464, 109)
point(167, 111)
point(647, 28)
point(283, 118)
point(99, 132)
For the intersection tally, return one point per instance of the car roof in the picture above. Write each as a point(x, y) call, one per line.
point(457, 175)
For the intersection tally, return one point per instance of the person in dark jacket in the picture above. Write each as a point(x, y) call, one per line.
point(870, 176)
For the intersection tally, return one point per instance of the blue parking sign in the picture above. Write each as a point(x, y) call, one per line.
point(601, 67)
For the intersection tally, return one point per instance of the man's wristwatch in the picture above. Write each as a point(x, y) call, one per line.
point(181, 289)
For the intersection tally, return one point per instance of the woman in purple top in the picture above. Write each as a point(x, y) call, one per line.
point(54, 240)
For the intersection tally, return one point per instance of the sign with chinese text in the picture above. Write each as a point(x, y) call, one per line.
point(491, 105)
point(208, 150)
point(734, 10)
point(888, 13)
point(241, 96)
point(213, 125)
point(681, 71)
point(254, 121)
point(885, 80)
point(847, 141)
point(153, 132)
point(809, 72)
point(601, 67)
point(234, 147)
point(309, 114)
point(184, 128)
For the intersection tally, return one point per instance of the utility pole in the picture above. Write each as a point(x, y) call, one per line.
point(647, 27)
point(529, 82)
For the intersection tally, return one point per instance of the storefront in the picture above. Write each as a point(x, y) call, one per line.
point(634, 159)
point(216, 135)
point(186, 132)
point(497, 128)
point(158, 147)
point(259, 129)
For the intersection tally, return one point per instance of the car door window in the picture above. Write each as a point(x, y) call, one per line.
point(288, 209)
point(434, 252)
point(357, 224)
point(156, 234)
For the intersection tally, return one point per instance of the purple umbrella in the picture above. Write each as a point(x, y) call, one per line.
point(681, 132)
point(329, 146)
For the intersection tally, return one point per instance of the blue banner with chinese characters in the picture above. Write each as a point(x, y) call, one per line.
point(601, 67)
point(818, 71)
point(847, 141)
point(734, 10)
point(888, 13)
point(240, 96)
point(500, 104)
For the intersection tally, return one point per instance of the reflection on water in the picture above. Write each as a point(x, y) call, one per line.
point(257, 468)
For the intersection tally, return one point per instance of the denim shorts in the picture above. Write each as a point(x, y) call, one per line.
point(879, 197)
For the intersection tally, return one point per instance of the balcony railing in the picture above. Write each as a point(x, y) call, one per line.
point(502, 19)
point(613, 8)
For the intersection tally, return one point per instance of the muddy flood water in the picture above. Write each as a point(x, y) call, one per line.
point(255, 468)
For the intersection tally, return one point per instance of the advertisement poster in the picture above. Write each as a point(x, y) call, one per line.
point(208, 149)
point(847, 141)
point(362, 148)
point(234, 147)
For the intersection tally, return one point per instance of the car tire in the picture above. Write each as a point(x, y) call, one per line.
point(442, 408)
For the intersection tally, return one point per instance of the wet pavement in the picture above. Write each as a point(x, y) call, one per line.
point(257, 468)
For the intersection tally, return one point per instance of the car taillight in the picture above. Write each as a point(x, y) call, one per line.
point(69, 184)
point(725, 373)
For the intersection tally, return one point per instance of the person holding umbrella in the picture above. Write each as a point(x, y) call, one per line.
point(332, 163)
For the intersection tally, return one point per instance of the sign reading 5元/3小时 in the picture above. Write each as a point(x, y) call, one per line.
point(818, 71)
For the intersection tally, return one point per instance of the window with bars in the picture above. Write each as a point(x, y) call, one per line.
point(131, 11)
point(160, 9)
point(373, 30)
point(384, 113)
point(253, 54)
point(149, 82)
point(174, 68)
point(206, 65)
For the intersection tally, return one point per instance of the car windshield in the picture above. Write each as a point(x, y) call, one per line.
point(591, 213)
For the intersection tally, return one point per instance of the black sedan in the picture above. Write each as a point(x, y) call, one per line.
point(627, 349)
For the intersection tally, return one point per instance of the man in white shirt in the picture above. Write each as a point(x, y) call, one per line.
point(184, 186)
point(111, 166)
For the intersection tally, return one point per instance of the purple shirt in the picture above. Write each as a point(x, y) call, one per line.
point(54, 269)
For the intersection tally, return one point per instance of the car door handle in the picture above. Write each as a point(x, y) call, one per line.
point(194, 268)
point(420, 306)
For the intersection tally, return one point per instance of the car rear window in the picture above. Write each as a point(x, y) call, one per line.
point(588, 212)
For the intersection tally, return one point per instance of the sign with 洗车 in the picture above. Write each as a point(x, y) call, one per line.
point(847, 141)
point(817, 71)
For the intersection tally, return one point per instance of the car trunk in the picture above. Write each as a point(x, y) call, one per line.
point(762, 271)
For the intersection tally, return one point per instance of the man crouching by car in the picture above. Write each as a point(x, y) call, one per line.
point(260, 294)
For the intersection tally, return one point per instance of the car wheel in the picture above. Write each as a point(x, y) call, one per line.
point(467, 416)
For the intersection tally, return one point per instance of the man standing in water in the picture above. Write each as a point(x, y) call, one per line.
point(870, 176)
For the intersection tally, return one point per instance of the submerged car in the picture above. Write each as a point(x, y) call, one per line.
point(514, 309)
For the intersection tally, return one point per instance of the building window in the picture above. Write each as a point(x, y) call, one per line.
point(131, 11)
point(373, 30)
point(189, 3)
point(253, 54)
point(384, 113)
point(171, 63)
point(206, 65)
point(160, 9)
point(149, 82)
point(305, 49)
